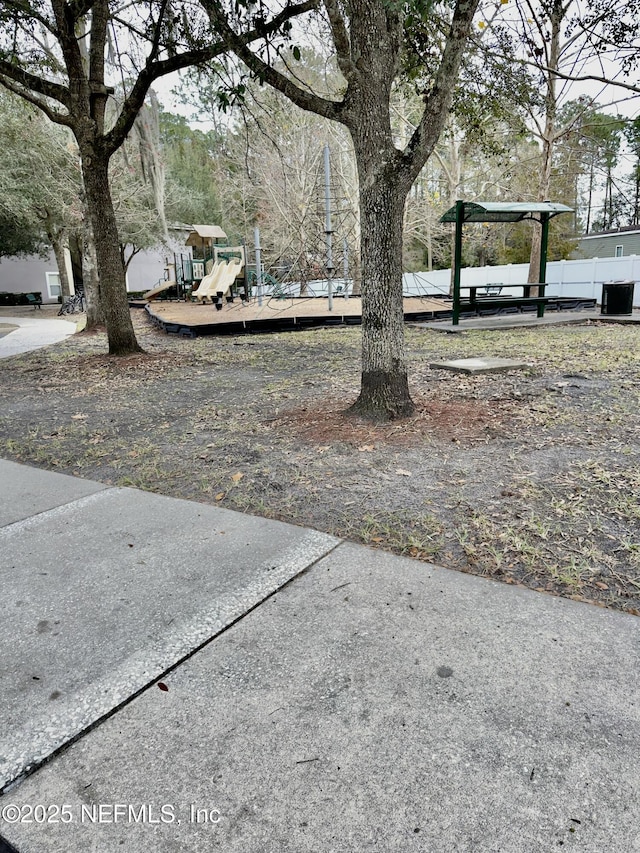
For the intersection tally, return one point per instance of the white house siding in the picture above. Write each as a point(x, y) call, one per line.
point(26, 275)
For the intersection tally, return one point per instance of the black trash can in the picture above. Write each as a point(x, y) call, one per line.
point(617, 297)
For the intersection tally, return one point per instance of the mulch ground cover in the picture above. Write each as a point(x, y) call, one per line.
point(529, 477)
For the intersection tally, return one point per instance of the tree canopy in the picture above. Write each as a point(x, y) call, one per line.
point(65, 57)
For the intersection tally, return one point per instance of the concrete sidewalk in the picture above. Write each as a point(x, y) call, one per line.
point(32, 333)
point(313, 695)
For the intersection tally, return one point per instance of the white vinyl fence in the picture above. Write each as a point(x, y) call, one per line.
point(583, 278)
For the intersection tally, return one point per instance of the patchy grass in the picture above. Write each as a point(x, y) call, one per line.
point(414, 535)
point(529, 477)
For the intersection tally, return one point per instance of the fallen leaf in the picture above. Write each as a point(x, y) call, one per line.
point(79, 417)
point(237, 477)
point(601, 585)
point(377, 538)
point(366, 448)
point(219, 496)
point(403, 473)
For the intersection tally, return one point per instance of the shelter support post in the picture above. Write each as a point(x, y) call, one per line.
point(544, 244)
point(457, 261)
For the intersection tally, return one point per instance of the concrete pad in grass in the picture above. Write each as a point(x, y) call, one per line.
point(480, 365)
point(104, 594)
point(375, 703)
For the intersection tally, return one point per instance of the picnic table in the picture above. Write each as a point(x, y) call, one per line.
point(492, 297)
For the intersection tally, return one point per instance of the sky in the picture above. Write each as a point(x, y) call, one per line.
point(515, 15)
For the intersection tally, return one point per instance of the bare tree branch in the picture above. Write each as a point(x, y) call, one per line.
point(438, 100)
point(155, 69)
point(584, 78)
point(239, 44)
point(28, 81)
point(340, 38)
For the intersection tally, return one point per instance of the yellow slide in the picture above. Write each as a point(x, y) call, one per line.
point(151, 294)
point(228, 275)
point(219, 280)
point(209, 284)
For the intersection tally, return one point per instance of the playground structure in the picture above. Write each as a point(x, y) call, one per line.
point(161, 287)
point(209, 272)
point(226, 266)
point(213, 273)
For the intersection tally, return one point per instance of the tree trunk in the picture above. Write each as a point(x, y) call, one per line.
point(534, 259)
point(384, 390)
point(113, 289)
point(608, 201)
point(556, 12)
point(356, 275)
point(590, 196)
point(544, 188)
point(95, 316)
point(75, 252)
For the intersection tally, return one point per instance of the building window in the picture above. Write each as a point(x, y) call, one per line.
point(619, 251)
point(53, 284)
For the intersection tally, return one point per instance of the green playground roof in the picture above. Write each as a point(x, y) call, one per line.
point(504, 211)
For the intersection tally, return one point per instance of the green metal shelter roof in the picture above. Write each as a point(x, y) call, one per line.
point(504, 211)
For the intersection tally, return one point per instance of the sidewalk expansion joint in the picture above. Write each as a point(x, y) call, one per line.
point(45, 738)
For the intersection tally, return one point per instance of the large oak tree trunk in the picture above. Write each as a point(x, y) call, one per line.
point(113, 289)
point(384, 390)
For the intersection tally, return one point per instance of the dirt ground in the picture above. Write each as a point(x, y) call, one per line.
point(529, 477)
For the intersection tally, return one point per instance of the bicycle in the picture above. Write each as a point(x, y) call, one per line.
point(72, 305)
